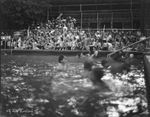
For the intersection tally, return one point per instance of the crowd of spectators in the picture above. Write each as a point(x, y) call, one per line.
point(62, 34)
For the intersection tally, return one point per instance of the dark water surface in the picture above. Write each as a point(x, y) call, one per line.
point(34, 86)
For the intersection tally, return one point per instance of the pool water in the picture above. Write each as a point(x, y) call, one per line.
point(34, 86)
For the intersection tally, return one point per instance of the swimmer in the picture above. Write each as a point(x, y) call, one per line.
point(62, 62)
point(131, 60)
point(117, 67)
point(96, 72)
point(116, 64)
point(126, 56)
point(131, 55)
point(80, 55)
point(105, 63)
point(62, 59)
point(118, 56)
point(93, 52)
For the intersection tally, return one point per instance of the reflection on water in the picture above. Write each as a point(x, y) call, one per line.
point(38, 88)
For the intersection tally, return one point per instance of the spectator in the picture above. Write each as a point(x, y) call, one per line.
point(61, 34)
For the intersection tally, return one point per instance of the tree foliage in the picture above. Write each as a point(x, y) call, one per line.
point(19, 14)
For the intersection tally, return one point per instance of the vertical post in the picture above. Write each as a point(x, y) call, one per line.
point(59, 9)
point(123, 24)
point(112, 20)
point(112, 16)
point(142, 15)
point(81, 20)
point(97, 22)
point(81, 14)
point(97, 16)
point(47, 14)
point(131, 11)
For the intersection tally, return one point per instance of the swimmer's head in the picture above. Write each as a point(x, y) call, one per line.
point(127, 55)
point(131, 55)
point(61, 59)
point(79, 55)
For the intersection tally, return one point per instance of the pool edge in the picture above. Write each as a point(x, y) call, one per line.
point(147, 77)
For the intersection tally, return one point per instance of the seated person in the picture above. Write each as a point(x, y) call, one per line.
point(105, 45)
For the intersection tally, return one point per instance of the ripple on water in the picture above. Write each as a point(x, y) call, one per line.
point(70, 92)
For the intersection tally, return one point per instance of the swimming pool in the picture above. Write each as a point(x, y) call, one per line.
point(34, 86)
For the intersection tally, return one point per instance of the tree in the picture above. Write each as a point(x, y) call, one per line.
point(19, 14)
